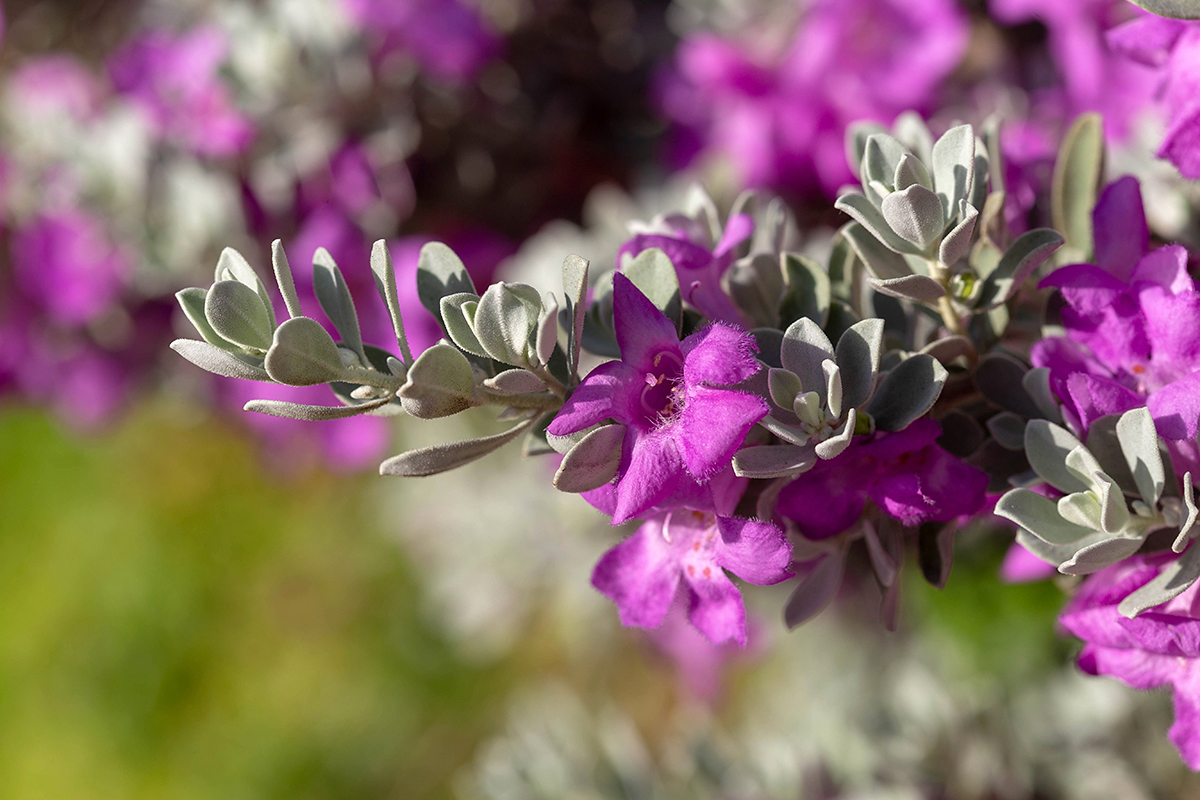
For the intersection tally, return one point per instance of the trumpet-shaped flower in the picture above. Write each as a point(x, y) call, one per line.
point(680, 419)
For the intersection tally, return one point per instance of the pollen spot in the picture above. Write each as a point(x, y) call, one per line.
point(1138, 369)
point(695, 546)
point(691, 570)
point(707, 572)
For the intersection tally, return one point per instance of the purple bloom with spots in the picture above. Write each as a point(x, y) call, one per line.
point(688, 551)
point(905, 473)
point(1133, 327)
point(699, 263)
point(681, 421)
point(174, 80)
point(779, 113)
point(1171, 49)
point(1160, 647)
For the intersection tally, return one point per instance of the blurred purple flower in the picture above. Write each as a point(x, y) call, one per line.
point(1159, 647)
point(56, 84)
point(699, 263)
point(782, 118)
point(65, 263)
point(174, 80)
point(1133, 325)
point(1171, 49)
point(679, 421)
point(447, 38)
point(905, 473)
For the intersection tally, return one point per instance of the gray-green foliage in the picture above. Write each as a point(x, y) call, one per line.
point(1177, 9)
point(1106, 510)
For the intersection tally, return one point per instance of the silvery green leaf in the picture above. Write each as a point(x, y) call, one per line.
point(807, 407)
point(770, 342)
point(780, 228)
point(805, 347)
point(1174, 579)
point(948, 348)
point(911, 172)
point(236, 313)
point(440, 383)
point(999, 377)
point(698, 204)
point(233, 266)
point(458, 318)
point(1037, 385)
point(1078, 171)
point(1040, 516)
point(514, 381)
point(1103, 444)
point(283, 278)
point(506, 320)
point(654, 274)
point(755, 283)
point(1047, 446)
point(535, 443)
point(1022, 258)
point(961, 435)
point(815, 591)
point(1081, 508)
point(1114, 513)
point(880, 158)
point(957, 243)
point(833, 388)
point(784, 431)
point(773, 461)
point(1095, 557)
point(913, 133)
point(563, 444)
point(871, 218)
point(385, 281)
point(808, 291)
point(1139, 443)
point(440, 273)
point(935, 552)
point(280, 408)
point(334, 296)
point(917, 288)
point(192, 302)
point(907, 392)
point(575, 284)
point(881, 561)
point(1008, 429)
point(1189, 504)
point(593, 462)
point(954, 167)
point(547, 331)
point(857, 357)
point(841, 318)
point(449, 455)
point(881, 262)
point(857, 135)
point(1081, 463)
point(1175, 9)
point(218, 361)
point(835, 445)
point(783, 386)
point(915, 214)
point(303, 354)
point(1056, 553)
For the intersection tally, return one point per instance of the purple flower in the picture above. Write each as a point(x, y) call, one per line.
point(447, 38)
point(698, 262)
point(56, 84)
point(689, 550)
point(679, 421)
point(905, 473)
point(1133, 325)
point(780, 114)
point(174, 80)
point(1171, 48)
point(65, 263)
point(1157, 648)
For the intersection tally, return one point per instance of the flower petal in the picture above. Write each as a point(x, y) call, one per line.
point(640, 575)
point(715, 606)
point(603, 393)
point(712, 426)
point(719, 355)
point(642, 330)
point(1120, 228)
point(755, 551)
point(1176, 408)
point(653, 471)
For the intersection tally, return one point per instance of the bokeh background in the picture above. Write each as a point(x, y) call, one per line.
point(197, 604)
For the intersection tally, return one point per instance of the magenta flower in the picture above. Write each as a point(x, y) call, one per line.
point(689, 551)
point(1159, 647)
point(65, 263)
point(699, 263)
point(1171, 49)
point(905, 473)
point(447, 38)
point(780, 114)
point(1133, 326)
point(679, 420)
point(174, 80)
point(56, 84)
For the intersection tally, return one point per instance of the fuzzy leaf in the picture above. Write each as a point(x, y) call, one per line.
point(1008, 429)
point(783, 386)
point(881, 156)
point(805, 347)
point(236, 313)
point(458, 316)
point(280, 408)
point(1037, 385)
point(192, 302)
point(283, 278)
point(1139, 443)
point(593, 462)
point(935, 552)
point(911, 172)
point(954, 167)
point(882, 263)
point(653, 273)
point(808, 291)
point(858, 207)
point(506, 320)
point(1095, 557)
point(815, 591)
point(907, 392)
point(949, 348)
point(1175, 9)
point(857, 357)
point(835, 445)
point(575, 284)
point(957, 243)
point(1022, 258)
point(1040, 516)
point(773, 461)
point(1175, 578)
point(915, 214)
point(448, 455)
point(304, 354)
point(440, 383)
point(917, 288)
point(1078, 171)
point(440, 273)
point(334, 296)
point(514, 381)
point(233, 266)
point(1189, 505)
point(385, 281)
point(999, 377)
point(217, 361)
